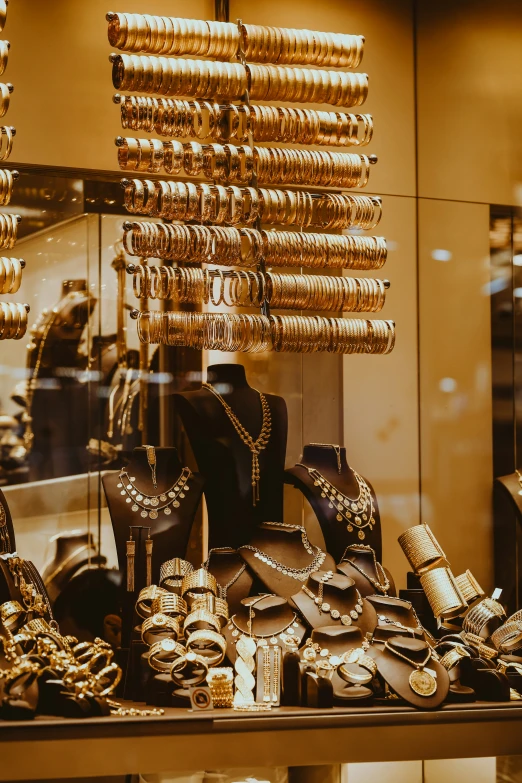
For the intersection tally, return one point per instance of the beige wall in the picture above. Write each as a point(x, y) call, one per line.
point(469, 107)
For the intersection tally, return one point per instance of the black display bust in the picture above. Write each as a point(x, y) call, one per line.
point(225, 460)
point(330, 462)
point(170, 534)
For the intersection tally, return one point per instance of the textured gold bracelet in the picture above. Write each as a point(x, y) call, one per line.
point(421, 548)
point(469, 587)
point(442, 593)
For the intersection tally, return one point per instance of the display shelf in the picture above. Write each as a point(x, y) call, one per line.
point(50, 748)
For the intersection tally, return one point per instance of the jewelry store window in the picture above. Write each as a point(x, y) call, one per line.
point(241, 401)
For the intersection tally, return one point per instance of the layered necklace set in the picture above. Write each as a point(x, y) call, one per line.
point(150, 506)
point(358, 513)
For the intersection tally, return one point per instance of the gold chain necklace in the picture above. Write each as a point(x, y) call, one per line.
point(255, 446)
point(151, 505)
point(357, 511)
point(421, 682)
point(382, 583)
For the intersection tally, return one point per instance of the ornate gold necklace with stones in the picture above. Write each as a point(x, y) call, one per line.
point(151, 505)
point(358, 513)
point(255, 446)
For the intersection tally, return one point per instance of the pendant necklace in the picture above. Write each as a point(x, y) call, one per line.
point(290, 628)
point(223, 589)
point(382, 583)
point(421, 682)
point(300, 574)
point(358, 513)
point(255, 446)
point(324, 606)
point(151, 505)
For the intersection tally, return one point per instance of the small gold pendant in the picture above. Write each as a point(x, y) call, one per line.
point(422, 683)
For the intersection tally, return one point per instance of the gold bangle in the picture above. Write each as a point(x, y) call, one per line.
point(469, 587)
point(170, 604)
point(354, 678)
point(508, 637)
point(216, 606)
point(159, 626)
point(209, 645)
point(442, 593)
point(452, 657)
point(162, 654)
point(421, 548)
point(189, 669)
point(145, 599)
point(197, 582)
point(197, 616)
point(11, 612)
point(173, 571)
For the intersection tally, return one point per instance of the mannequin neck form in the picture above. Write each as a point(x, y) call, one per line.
point(232, 376)
point(338, 588)
point(393, 608)
point(270, 537)
point(364, 558)
point(66, 545)
point(337, 640)
point(324, 457)
point(223, 556)
point(270, 609)
point(168, 467)
point(412, 648)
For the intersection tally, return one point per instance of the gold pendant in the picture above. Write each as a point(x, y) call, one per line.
point(422, 683)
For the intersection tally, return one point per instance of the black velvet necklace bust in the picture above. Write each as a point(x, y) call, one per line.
point(283, 545)
point(228, 568)
point(362, 566)
point(397, 671)
point(170, 534)
point(339, 593)
point(74, 550)
point(225, 460)
point(270, 616)
point(330, 462)
point(395, 617)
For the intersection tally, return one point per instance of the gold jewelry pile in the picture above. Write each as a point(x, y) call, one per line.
point(210, 99)
point(13, 315)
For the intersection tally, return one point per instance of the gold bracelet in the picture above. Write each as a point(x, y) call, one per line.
point(221, 684)
point(421, 548)
point(173, 571)
point(469, 587)
point(199, 582)
point(442, 593)
point(189, 669)
point(210, 645)
point(197, 616)
point(508, 637)
point(159, 626)
point(216, 606)
point(163, 653)
point(11, 612)
point(169, 604)
point(454, 656)
point(146, 598)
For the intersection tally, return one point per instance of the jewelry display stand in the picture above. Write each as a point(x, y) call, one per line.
point(232, 575)
point(370, 578)
point(283, 545)
point(340, 596)
point(330, 463)
point(74, 550)
point(399, 672)
point(7, 535)
point(271, 616)
point(225, 460)
point(395, 617)
point(170, 534)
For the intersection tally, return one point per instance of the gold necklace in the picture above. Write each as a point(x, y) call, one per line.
point(357, 511)
point(421, 682)
point(255, 446)
point(324, 606)
point(382, 583)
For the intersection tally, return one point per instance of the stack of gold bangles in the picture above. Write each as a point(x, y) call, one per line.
point(251, 289)
point(13, 320)
point(175, 117)
point(481, 617)
point(232, 205)
point(247, 246)
point(255, 333)
point(183, 631)
point(230, 163)
point(223, 40)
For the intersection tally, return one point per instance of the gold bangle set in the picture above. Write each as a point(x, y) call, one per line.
point(171, 35)
point(442, 592)
point(192, 78)
point(469, 587)
point(208, 79)
point(305, 47)
point(7, 179)
point(232, 205)
point(256, 333)
point(421, 548)
point(228, 206)
point(306, 85)
point(13, 320)
point(180, 118)
point(6, 141)
point(480, 615)
point(221, 684)
point(247, 246)
point(10, 275)
point(251, 289)
point(8, 231)
point(5, 97)
point(230, 163)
